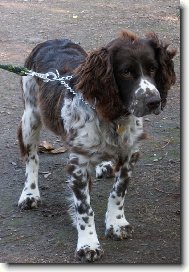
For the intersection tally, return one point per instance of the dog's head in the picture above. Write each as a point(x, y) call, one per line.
point(129, 76)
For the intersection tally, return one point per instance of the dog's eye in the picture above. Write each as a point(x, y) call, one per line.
point(126, 73)
point(152, 69)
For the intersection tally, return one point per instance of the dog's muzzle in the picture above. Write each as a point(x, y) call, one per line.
point(146, 99)
point(153, 104)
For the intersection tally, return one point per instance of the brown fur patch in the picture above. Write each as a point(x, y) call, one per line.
point(42, 59)
point(143, 136)
point(51, 100)
point(135, 157)
point(128, 35)
point(23, 148)
point(79, 150)
point(97, 84)
point(165, 75)
point(70, 168)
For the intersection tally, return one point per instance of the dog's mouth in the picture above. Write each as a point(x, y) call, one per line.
point(157, 111)
point(141, 107)
point(140, 113)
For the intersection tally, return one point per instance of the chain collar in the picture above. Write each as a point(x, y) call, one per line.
point(51, 76)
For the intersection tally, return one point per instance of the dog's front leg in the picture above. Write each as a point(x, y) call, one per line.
point(88, 246)
point(117, 226)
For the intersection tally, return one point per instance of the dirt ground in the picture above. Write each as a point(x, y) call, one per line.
point(152, 205)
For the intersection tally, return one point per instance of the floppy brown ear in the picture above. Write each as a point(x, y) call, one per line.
point(165, 75)
point(97, 84)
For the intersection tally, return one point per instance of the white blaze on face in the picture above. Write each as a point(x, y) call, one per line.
point(145, 87)
point(145, 93)
point(145, 84)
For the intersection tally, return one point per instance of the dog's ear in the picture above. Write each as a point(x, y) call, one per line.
point(165, 75)
point(97, 84)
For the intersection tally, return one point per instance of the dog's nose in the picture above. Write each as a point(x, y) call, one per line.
point(153, 103)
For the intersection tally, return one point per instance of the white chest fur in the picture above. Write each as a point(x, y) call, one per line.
point(100, 137)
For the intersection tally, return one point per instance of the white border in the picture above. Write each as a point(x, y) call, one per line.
point(185, 132)
point(185, 187)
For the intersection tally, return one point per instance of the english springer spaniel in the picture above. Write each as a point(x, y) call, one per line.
point(114, 87)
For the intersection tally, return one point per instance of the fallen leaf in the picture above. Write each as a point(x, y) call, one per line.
point(61, 149)
point(45, 147)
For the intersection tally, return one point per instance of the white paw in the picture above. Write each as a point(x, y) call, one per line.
point(88, 246)
point(105, 169)
point(118, 228)
point(29, 199)
point(89, 253)
point(119, 232)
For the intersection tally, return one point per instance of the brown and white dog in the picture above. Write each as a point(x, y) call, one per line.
point(115, 87)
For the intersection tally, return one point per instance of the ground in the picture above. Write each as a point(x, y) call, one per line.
point(152, 205)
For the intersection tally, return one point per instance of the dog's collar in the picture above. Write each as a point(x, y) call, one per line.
point(46, 77)
point(120, 129)
point(121, 126)
point(51, 76)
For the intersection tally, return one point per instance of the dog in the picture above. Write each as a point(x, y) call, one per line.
point(98, 113)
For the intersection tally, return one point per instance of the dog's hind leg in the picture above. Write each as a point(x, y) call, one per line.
point(28, 136)
point(104, 170)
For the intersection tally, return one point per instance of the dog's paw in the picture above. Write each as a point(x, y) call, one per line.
point(29, 202)
point(89, 254)
point(105, 169)
point(120, 232)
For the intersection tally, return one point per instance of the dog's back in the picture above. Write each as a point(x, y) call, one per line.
point(63, 55)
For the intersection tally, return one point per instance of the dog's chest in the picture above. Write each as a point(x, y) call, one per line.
point(107, 140)
point(121, 138)
point(99, 138)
